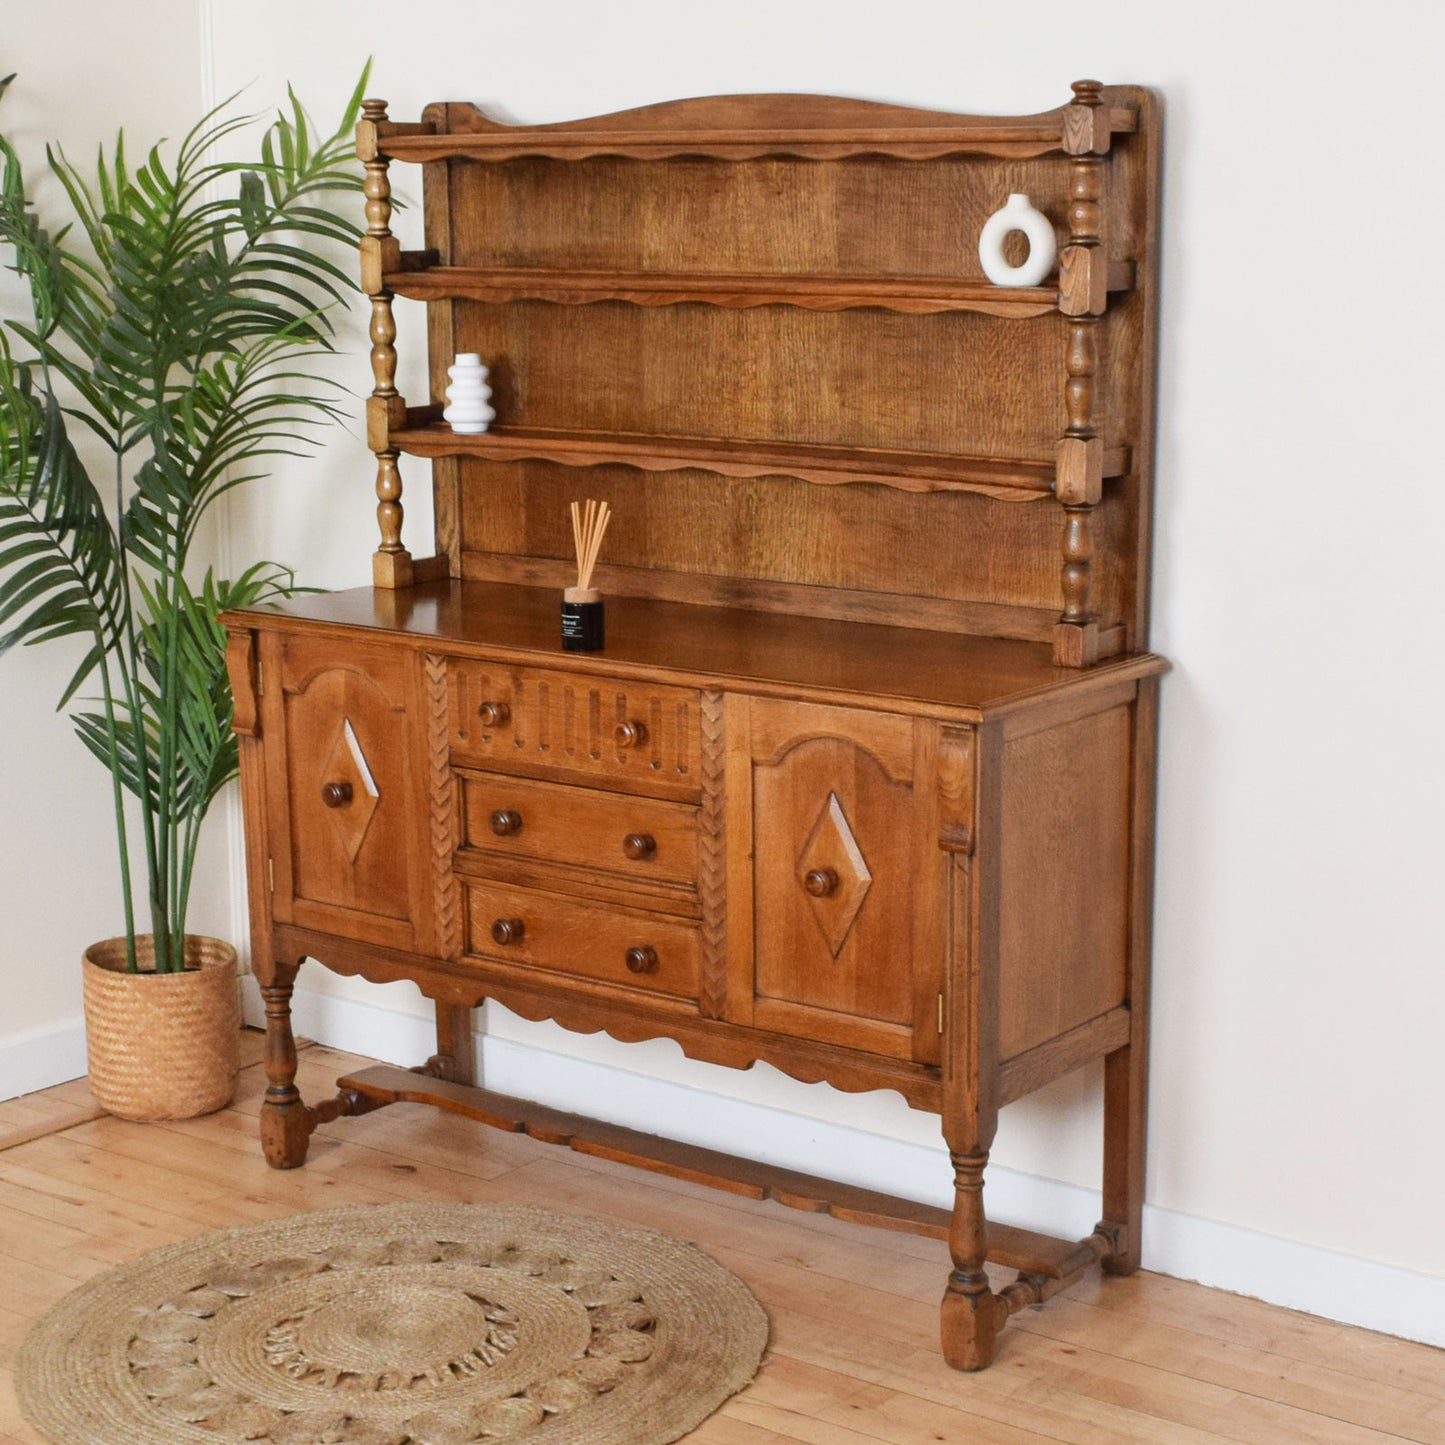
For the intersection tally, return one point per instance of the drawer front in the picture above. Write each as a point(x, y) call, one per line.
point(582, 940)
point(569, 725)
point(553, 823)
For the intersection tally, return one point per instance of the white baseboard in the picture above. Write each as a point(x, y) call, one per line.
point(1283, 1272)
point(1323, 1282)
point(358, 1028)
point(42, 1058)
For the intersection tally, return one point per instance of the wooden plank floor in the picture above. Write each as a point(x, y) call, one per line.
point(853, 1358)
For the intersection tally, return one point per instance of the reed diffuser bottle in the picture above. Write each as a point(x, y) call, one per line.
point(582, 613)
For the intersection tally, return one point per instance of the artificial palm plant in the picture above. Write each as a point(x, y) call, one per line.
point(173, 316)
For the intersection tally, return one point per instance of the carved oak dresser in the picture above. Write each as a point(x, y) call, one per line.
point(862, 784)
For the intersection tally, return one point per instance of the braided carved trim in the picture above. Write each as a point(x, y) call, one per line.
point(442, 808)
point(711, 858)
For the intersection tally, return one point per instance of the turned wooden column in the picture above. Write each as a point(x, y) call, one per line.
point(386, 410)
point(972, 1315)
point(970, 784)
point(285, 1122)
point(1083, 297)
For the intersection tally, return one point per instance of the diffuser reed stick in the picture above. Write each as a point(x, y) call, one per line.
point(588, 528)
point(582, 619)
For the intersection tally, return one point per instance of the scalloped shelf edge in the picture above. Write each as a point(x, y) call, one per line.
point(923, 472)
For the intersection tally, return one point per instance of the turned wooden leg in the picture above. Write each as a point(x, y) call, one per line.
point(285, 1121)
point(972, 1315)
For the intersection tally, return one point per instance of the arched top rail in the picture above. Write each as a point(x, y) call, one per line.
point(746, 127)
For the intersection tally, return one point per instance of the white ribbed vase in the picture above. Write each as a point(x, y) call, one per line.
point(468, 396)
point(1017, 215)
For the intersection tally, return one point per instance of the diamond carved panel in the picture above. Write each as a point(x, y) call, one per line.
point(832, 850)
point(346, 763)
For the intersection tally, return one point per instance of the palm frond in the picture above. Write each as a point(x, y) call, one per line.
point(39, 257)
point(60, 568)
point(181, 309)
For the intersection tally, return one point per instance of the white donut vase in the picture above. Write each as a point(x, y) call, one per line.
point(1017, 215)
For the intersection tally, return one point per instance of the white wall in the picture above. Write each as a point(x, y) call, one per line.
point(84, 69)
point(1299, 986)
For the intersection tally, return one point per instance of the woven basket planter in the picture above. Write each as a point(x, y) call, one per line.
point(162, 1046)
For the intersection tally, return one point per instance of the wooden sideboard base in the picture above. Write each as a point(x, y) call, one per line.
point(1045, 1264)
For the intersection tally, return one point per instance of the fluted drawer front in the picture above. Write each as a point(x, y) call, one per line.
point(560, 724)
point(571, 936)
point(553, 823)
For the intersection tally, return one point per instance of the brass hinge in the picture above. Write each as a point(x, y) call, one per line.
point(270, 875)
point(260, 679)
point(940, 1013)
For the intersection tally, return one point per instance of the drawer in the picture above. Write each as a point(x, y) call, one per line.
point(549, 822)
point(584, 940)
point(566, 725)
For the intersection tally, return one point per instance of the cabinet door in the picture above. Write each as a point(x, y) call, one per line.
point(846, 935)
point(344, 805)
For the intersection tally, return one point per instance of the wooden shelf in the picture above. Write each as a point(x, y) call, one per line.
point(908, 471)
point(1015, 140)
point(511, 143)
point(918, 295)
point(747, 127)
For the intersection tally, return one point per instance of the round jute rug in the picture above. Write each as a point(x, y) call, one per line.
point(403, 1324)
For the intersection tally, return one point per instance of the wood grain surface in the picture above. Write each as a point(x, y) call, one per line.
point(786, 286)
point(862, 661)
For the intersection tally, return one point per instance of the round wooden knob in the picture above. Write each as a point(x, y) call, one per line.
point(638, 846)
point(642, 960)
point(336, 795)
point(505, 822)
point(508, 930)
point(630, 734)
point(820, 882)
point(494, 714)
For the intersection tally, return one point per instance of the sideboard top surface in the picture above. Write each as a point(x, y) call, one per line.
point(710, 644)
